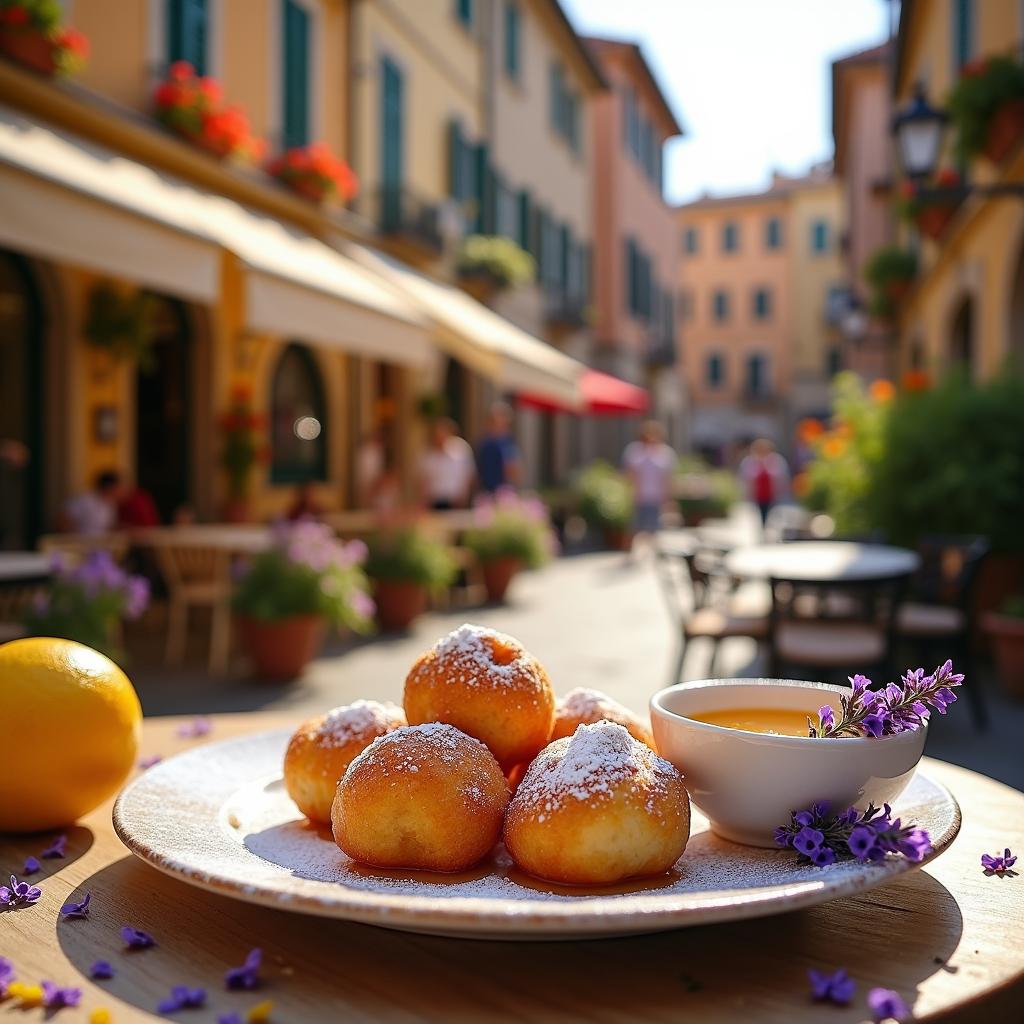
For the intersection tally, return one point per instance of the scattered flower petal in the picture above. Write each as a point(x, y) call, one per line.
point(182, 998)
point(148, 762)
point(134, 938)
point(199, 726)
point(6, 975)
point(32, 865)
point(229, 1018)
point(56, 998)
point(260, 1013)
point(996, 864)
point(102, 970)
point(72, 909)
point(885, 1004)
point(101, 1015)
point(18, 894)
point(247, 976)
point(837, 987)
point(27, 995)
point(57, 848)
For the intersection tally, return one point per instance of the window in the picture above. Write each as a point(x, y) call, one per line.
point(833, 361)
point(685, 305)
point(564, 107)
point(464, 12)
point(691, 241)
point(461, 164)
point(762, 303)
point(186, 33)
point(295, 128)
point(392, 172)
point(557, 97)
point(639, 281)
point(524, 236)
point(512, 39)
point(819, 236)
point(720, 304)
point(715, 371)
point(756, 384)
point(572, 120)
point(730, 236)
point(773, 233)
point(298, 434)
point(963, 32)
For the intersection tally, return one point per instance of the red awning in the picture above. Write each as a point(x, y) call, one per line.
point(603, 395)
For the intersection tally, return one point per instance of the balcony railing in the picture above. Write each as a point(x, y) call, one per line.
point(405, 217)
point(564, 311)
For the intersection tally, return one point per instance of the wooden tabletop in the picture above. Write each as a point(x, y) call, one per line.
point(948, 938)
point(816, 561)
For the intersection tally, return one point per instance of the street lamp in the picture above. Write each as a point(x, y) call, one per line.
point(919, 128)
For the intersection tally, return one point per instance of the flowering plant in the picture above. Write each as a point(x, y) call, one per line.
point(307, 571)
point(496, 257)
point(983, 87)
point(893, 709)
point(243, 446)
point(87, 601)
point(605, 496)
point(315, 172)
point(192, 106)
point(410, 555)
point(822, 838)
point(31, 33)
point(889, 272)
point(510, 526)
point(915, 198)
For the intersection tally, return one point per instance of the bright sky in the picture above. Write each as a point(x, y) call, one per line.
point(749, 79)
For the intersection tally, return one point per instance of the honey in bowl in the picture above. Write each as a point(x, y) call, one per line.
point(772, 721)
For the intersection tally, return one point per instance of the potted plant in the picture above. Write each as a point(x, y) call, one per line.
point(605, 499)
point(703, 492)
point(288, 595)
point(315, 173)
point(192, 106)
point(987, 107)
point(890, 272)
point(932, 213)
point(32, 35)
point(1006, 629)
point(511, 533)
point(242, 448)
point(122, 325)
point(487, 263)
point(87, 602)
point(405, 565)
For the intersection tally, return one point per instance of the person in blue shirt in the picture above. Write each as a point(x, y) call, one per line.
point(497, 457)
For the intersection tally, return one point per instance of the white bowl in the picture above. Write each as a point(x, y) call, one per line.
point(747, 783)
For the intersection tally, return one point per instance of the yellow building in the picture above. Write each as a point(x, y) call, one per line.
point(967, 306)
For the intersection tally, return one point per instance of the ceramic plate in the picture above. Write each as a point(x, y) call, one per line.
point(218, 817)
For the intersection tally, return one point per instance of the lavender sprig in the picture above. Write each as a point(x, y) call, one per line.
point(822, 838)
point(891, 709)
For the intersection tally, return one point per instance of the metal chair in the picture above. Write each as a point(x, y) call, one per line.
point(938, 620)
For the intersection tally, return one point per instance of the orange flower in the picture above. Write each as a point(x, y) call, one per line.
point(181, 71)
point(882, 391)
point(801, 484)
point(809, 430)
point(915, 380)
point(834, 447)
point(77, 43)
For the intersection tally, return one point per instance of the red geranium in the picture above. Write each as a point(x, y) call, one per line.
point(315, 172)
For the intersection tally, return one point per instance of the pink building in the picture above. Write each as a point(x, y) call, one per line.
point(634, 317)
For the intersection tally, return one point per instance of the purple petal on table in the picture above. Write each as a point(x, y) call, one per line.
point(56, 998)
point(57, 848)
point(199, 726)
point(246, 976)
point(182, 998)
point(102, 970)
point(72, 909)
point(148, 762)
point(885, 1004)
point(6, 975)
point(32, 865)
point(135, 938)
point(230, 1018)
point(837, 987)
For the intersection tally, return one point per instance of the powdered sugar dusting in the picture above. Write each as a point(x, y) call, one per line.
point(358, 719)
point(590, 705)
point(468, 653)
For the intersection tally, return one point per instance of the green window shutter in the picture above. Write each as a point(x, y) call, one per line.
point(295, 86)
point(586, 269)
point(456, 164)
point(557, 98)
point(525, 238)
point(572, 120)
point(186, 32)
point(392, 172)
point(564, 256)
point(963, 32)
point(464, 12)
point(512, 38)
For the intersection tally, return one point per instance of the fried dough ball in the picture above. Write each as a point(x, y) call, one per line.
point(425, 796)
point(323, 747)
point(598, 807)
point(584, 707)
point(484, 683)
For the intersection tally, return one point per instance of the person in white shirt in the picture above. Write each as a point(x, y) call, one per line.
point(446, 468)
point(650, 464)
point(95, 512)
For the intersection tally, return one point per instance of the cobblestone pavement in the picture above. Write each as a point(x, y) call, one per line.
point(594, 620)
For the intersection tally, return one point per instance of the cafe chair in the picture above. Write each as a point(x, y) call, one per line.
point(833, 628)
point(937, 622)
point(700, 610)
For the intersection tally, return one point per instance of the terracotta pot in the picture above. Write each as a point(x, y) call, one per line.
point(281, 648)
point(399, 603)
point(617, 538)
point(1005, 128)
point(932, 220)
point(1007, 635)
point(29, 48)
point(498, 574)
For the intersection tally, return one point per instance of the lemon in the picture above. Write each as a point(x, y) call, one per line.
point(70, 725)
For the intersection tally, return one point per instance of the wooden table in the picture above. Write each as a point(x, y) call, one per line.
point(948, 938)
point(821, 562)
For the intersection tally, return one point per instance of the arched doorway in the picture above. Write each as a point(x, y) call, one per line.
point(163, 390)
point(22, 422)
point(298, 419)
point(961, 339)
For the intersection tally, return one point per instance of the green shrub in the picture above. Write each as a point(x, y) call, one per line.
point(408, 554)
point(509, 526)
point(702, 491)
point(499, 258)
point(983, 87)
point(605, 496)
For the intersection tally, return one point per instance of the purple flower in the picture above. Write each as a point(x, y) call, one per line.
point(837, 987)
point(57, 848)
point(826, 718)
point(32, 865)
point(887, 1005)
point(56, 998)
point(247, 976)
point(362, 604)
point(136, 939)
point(71, 909)
point(18, 893)
point(102, 970)
point(862, 841)
point(6, 975)
point(148, 762)
point(824, 856)
point(229, 1018)
point(914, 844)
point(182, 998)
point(199, 726)
point(807, 840)
point(874, 723)
point(996, 865)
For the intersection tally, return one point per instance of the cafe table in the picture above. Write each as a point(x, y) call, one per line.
point(23, 568)
point(948, 938)
point(821, 561)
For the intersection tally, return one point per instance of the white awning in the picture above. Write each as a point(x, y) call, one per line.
point(62, 198)
point(477, 336)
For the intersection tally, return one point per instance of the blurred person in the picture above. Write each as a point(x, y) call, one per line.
point(304, 503)
point(498, 461)
point(765, 476)
point(369, 466)
point(136, 507)
point(446, 468)
point(95, 511)
point(649, 463)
